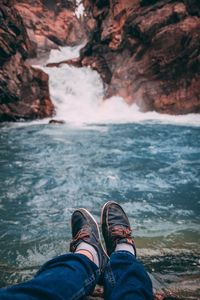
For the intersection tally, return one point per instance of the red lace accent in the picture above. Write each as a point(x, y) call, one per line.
point(83, 233)
point(122, 232)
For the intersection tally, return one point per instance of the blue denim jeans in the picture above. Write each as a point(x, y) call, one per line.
point(74, 276)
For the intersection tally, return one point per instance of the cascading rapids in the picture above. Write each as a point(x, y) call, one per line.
point(78, 97)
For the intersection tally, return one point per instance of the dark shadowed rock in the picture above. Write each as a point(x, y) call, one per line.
point(148, 52)
point(75, 62)
point(56, 122)
point(24, 91)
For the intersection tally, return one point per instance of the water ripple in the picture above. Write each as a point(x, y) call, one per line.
point(47, 172)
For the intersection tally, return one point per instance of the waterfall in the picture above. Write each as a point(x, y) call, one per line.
point(78, 97)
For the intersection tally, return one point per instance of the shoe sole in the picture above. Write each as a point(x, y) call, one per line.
point(99, 235)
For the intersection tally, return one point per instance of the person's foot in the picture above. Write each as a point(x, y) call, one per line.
point(86, 237)
point(116, 229)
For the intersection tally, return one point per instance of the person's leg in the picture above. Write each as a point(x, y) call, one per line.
point(71, 276)
point(124, 277)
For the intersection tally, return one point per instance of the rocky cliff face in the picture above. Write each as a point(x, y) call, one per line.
point(24, 91)
point(147, 51)
point(50, 23)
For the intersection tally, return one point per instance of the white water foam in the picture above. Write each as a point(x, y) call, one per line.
point(63, 53)
point(80, 9)
point(78, 97)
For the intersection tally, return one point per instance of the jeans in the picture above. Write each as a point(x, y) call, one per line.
point(73, 276)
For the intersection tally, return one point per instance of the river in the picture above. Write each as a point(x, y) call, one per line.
point(149, 163)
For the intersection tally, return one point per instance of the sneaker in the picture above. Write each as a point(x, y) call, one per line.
point(85, 229)
point(116, 228)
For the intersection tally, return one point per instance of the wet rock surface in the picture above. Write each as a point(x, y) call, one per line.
point(50, 23)
point(148, 52)
point(24, 92)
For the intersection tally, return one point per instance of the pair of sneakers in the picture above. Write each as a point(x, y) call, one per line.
point(116, 231)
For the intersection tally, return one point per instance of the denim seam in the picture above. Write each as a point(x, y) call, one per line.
point(84, 290)
point(111, 277)
point(79, 294)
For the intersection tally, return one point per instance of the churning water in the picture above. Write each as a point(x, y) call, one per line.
point(149, 163)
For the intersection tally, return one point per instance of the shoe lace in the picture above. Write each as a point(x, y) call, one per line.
point(121, 232)
point(83, 233)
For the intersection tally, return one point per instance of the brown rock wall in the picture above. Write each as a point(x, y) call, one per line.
point(24, 91)
point(147, 52)
point(50, 23)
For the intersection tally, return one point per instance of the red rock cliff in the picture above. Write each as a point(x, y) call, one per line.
point(24, 91)
point(50, 23)
point(147, 51)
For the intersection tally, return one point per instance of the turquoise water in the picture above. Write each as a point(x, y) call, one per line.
point(47, 171)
